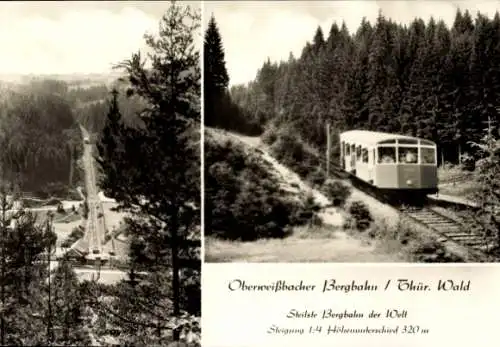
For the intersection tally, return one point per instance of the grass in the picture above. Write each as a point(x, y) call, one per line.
point(462, 189)
point(306, 244)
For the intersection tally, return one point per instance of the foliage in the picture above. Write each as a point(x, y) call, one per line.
point(292, 152)
point(219, 108)
point(151, 167)
point(68, 307)
point(337, 192)
point(242, 199)
point(487, 196)
point(30, 316)
point(422, 79)
point(40, 139)
point(361, 214)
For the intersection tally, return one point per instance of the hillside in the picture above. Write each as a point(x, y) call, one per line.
point(327, 241)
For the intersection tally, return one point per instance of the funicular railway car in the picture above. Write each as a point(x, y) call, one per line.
point(391, 163)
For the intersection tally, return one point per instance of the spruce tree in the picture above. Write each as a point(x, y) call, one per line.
point(487, 196)
point(215, 76)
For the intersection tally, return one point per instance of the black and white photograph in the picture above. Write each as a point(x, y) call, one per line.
point(100, 179)
point(351, 131)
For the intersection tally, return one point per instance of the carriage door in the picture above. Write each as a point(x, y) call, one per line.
point(353, 158)
point(371, 165)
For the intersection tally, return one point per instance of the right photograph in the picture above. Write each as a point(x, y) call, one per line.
point(351, 132)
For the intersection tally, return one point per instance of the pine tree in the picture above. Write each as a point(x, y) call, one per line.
point(68, 306)
point(152, 170)
point(215, 78)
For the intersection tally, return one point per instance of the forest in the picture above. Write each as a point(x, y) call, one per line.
point(423, 79)
point(40, 115)
point(148, 153)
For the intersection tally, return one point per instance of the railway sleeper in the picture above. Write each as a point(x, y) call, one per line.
point(445, 224)
point(465, 238)
point(459, 234)
point(428, 216)
point(451, 228)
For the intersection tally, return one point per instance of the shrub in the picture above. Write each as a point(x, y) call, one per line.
point(60, 209)
point(292, 152)
point(242, 199)
point(67, 243)
point(317, 178)
point(76, 233)
point(53, 201)
point(432, 251)
point(361, 215)
point(270, 136)
point(306, 212)
point(337, 192)
point(468, 162)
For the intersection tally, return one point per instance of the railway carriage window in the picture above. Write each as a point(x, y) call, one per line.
point(408, 155)
point(425, 142)
point(353, 149)
point(358, 153)
point(386, 155)
point(347, 149)
point(387, 141)
point(428, 155)
point(365, 155)
point(408, 141)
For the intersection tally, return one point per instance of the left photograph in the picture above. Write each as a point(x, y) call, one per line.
point(100, 181)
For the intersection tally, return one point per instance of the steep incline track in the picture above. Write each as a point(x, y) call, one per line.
point(448, 228)
point(95, 230)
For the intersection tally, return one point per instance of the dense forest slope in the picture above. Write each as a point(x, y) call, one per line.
point(39, 131)
point(424, 79)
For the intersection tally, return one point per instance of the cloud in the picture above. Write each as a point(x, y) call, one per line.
point(254, 30)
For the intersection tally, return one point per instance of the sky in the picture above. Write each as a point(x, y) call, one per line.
point(74, 37)
point(251, 31)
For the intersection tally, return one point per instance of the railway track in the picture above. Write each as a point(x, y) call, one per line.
point(447, 228)
point(423, 213)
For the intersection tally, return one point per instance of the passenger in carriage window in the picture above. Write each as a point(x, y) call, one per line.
point(411, 157)
point(386, 155)
point(408, 155)
point(386, 159)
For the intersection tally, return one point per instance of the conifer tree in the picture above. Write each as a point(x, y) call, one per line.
point(215, 79)
point(488, 195)
point(153, 171)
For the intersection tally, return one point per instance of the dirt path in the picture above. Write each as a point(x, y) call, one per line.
point(326, 244)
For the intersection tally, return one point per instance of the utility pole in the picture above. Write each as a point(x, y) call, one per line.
point(328, 149)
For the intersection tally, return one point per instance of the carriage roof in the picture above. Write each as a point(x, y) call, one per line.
point(373, 137)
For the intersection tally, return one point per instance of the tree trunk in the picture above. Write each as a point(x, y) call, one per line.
point(175, 276)
point(71, 162)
